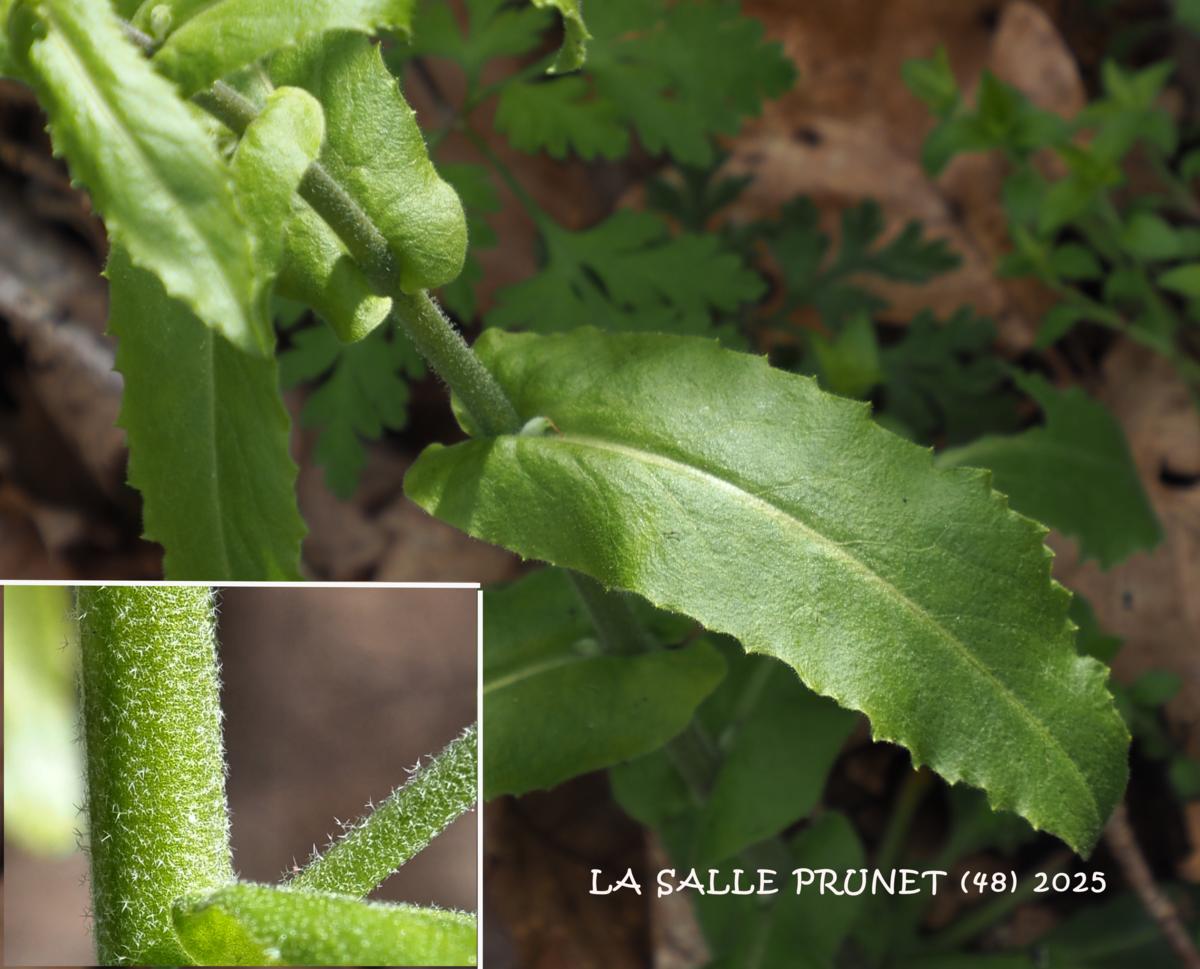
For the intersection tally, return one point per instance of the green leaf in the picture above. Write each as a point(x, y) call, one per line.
point(1189, 167)
point(264, 925)
point(1075, 473)
point(749, 500)
point(383, 165)
point(151, 167)
point(967, 960)
point(318, 271)
point(1115, 933)
point(676, 73)
point(850, 362)
point(208, 438)
point(1154, 688)
point(1073, 261)
point(629, 273)
point(270, 160)
point(1023, 193)
point(1187, 12)
point(1184, 774)
point(42, 768)
point(8, 62)
point(495, 29)
point(1150, 238)
point(774, 764)
point(555, 708)
point(770, 932)
point(573, 53)
point(814, 278)
point(790, 931)
point(1184, 280)
point(559, 118)
point(1059, 321)
point(206, 41)
point(933, 82)
point(478, 193)
point(944, 379)
point(364, 391)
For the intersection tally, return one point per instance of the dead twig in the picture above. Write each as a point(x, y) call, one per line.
point(1123, 844)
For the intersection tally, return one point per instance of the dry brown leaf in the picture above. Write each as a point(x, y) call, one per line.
point(1151, 600)
point(850, 130)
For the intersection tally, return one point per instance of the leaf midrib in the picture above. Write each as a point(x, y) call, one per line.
point(773, 510)
point(530, 671)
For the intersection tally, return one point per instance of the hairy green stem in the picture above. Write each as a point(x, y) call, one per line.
point(612, 615)
point(400, 827)
point(444, 348)
point(157, 816)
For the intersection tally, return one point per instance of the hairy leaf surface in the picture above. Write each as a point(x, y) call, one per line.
point(555, 708)
point(263, 925)
point(375, 150)
point(271, 158)
point(208, 438)
point(319, 271)
point(748, 499)
point(1075, 473)
point(151, 168)
point(208, 40)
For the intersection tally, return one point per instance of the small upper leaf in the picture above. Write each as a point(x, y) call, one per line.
point(268, 164)
point(263, 925)
point(1076, 474)
point(746, 498)
point(375, 150)
point(151, 167)
point(205, 41)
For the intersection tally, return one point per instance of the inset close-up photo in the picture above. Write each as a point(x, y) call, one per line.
point(240, 776)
